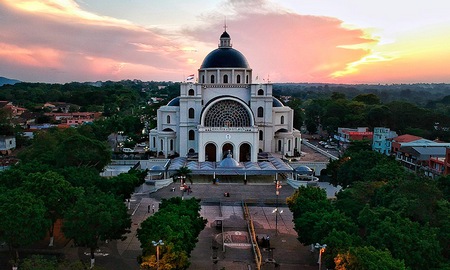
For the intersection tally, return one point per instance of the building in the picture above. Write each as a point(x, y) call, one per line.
point(224, 113)
point(346, 135)
point(382, 140)
point(398, 141)
point(7, 144)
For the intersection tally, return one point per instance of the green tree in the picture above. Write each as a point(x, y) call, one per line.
point(367, 258)
point(22, 220)
point(184, 172)
point(178, 223)
point(96, 216)
point(56, 193)
point(80, 151)
point(416, 244)
point(308, 199)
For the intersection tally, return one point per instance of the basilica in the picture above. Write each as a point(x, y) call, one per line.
point(224, 114)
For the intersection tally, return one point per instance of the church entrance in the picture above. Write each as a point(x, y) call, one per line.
point(244, 152)
point(227, 148)
point(210, 151)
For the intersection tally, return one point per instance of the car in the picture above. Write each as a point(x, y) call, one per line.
point(143, 144)
point(127, 150)
point(327, 146)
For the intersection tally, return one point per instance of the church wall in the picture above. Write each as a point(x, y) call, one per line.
point(213, 92)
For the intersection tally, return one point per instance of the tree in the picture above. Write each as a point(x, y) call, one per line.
point(416, 244)
point(80, 151)
point(56, 193)
point(96, 216)
point(184, 172)
point(307, 199)
point(178, 223)
point(22, 220)
point(367, 258)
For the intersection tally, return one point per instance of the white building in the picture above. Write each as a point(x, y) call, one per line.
point(224, 112)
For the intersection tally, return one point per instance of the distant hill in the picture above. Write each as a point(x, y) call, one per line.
point(4, 80)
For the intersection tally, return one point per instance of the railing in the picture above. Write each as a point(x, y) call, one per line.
point(227, 129)
point(323, 152)
point(251, 229)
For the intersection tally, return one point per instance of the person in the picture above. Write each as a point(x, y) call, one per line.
point(153, 208)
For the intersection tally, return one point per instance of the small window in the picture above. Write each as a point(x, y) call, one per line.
point(260, 112)
point(203, 78)
point(225, 78)
point(238, 79)
point(168, 119)
point(212, 78)
point(191, 92)
point(282, 120)
point(260, 92)
point(191, 135)
point(246, 79)
point(261, 135)
point(279, 145)
point(154, 142)
point(191, 113)
point(289, 145)
point(162, 146)
point(171, 145)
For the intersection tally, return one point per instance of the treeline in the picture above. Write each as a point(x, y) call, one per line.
point(107, 97)
point(384, 218)
point(418, 93)
point(367, 110)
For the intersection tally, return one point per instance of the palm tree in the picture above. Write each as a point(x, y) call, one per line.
point(184, 172)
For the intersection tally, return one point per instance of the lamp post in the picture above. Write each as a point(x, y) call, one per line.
point(157, 244)
point(277, 192)
point(321, 250)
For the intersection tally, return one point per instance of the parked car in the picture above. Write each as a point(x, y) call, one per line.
point(127, 150)
point(142, 144)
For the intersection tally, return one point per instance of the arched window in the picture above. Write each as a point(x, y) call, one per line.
point(279, 145)
point(212, 78)
point(225, 78)
point(191, 113)
point(203, 78)
point(171, 145)
point(260, 92)
point(191, 92)
point(238, 79)
point(282, 120)
point(191, 135)
point(168, 119)
point(260, 112)
point(261, 135)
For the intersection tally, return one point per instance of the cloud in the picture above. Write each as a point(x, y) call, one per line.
point(57, 34)
point(286, 46)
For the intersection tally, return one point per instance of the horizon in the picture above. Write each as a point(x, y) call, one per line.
point(284, 41)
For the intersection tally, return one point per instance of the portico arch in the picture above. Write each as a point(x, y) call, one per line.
point(211, 152)
point(227, 147)
point(245, 152)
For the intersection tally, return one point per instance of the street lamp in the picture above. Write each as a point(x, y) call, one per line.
point(321, 250)
point(277, 192)
point(157, 244)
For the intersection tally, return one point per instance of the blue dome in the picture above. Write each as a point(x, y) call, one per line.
point(229, 162)
point(225, 58)
point(174, 102)
point(277, 103)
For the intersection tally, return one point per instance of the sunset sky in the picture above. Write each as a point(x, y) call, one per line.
point(328, 41)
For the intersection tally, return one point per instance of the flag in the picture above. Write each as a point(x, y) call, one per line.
point(190, 77)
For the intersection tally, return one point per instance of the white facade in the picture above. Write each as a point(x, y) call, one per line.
point(224, 113)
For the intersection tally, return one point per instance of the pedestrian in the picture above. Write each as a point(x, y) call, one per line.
point(153, 208)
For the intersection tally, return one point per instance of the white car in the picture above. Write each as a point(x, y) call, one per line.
point(142, 144)
point(127, 150)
